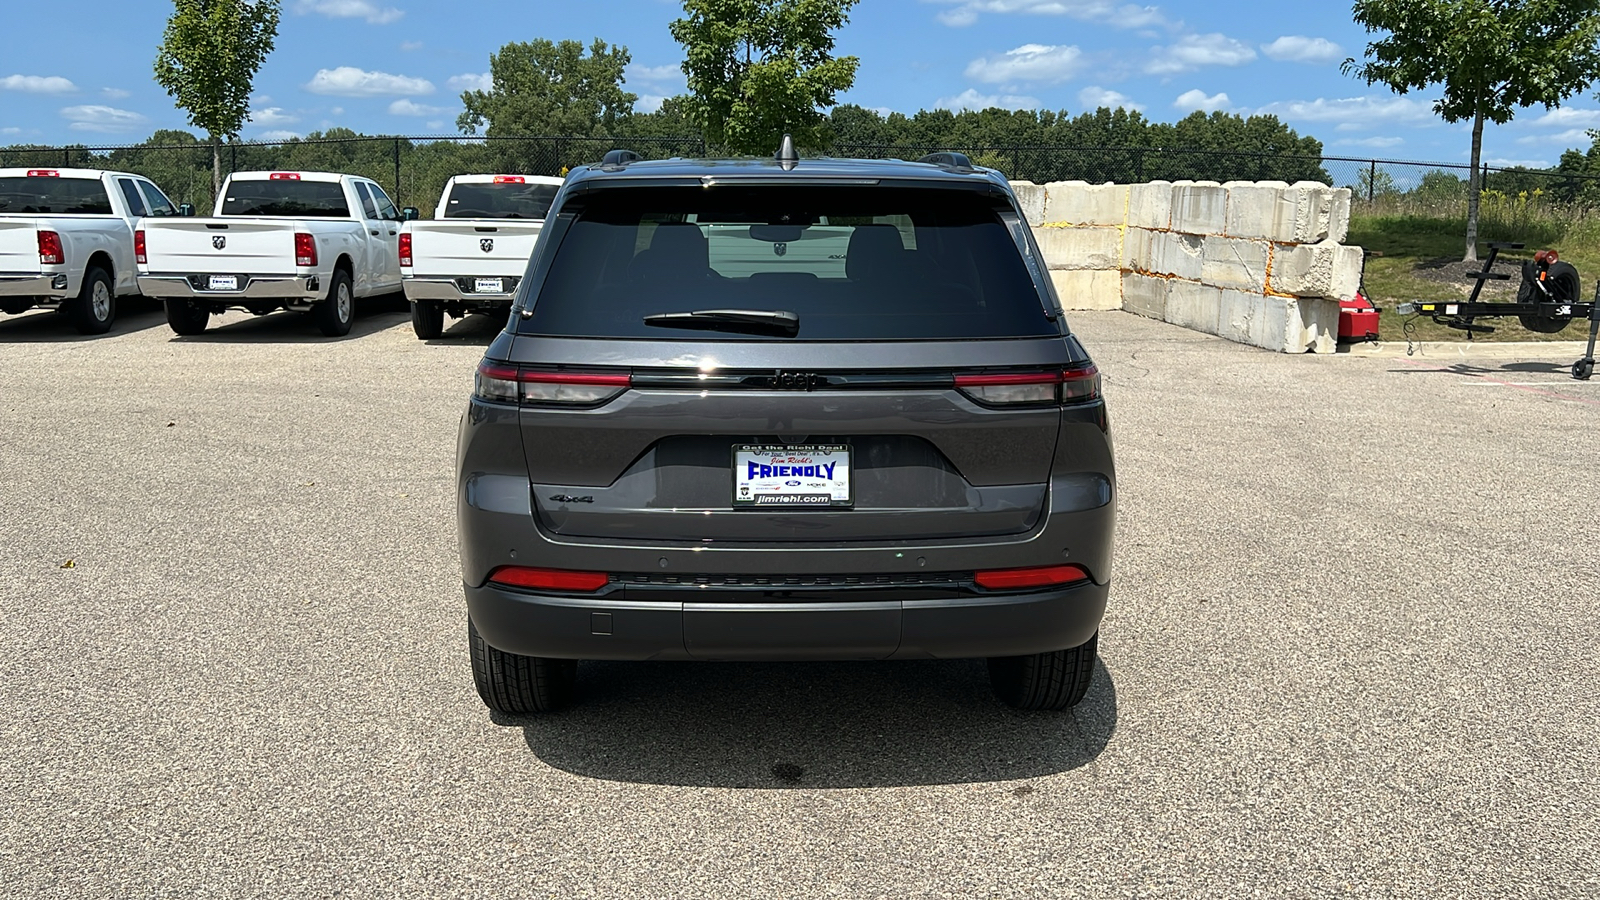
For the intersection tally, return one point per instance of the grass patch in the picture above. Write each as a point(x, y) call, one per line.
point(1416, 242)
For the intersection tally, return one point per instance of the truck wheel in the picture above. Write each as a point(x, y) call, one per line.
point(427, 319)
point(1054, 680)
point(186, 316)
point(335, 314)
point(96, 304)
point(519, 685)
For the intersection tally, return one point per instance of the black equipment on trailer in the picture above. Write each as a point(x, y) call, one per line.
point(1549, 299)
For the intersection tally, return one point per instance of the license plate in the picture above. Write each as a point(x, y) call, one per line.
point(489, 285)
point(223, 283)
point(809, 475)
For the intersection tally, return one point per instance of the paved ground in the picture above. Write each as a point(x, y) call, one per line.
point(1335, 664)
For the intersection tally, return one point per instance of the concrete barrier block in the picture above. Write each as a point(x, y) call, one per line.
point(1145, 295)
point(1193, 306)
point(1163, 253)
point(1281, 324)
point(1150, 205)
point(1339, 217)
point(1088, 288)
point(1319, 319)
point(1235, 263)
point(1326, 269)
point(1080, 203)
point(1080, 247)
point(1200, 208)
point(1030, 198)
point(1253, 209)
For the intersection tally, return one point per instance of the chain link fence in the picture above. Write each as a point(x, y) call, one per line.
point(413, 169)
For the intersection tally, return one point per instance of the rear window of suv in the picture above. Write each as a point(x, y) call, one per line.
point(852, 263)
point(312, 199)
point(49, 195)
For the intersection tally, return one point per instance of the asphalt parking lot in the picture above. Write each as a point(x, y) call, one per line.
point(1351, 651)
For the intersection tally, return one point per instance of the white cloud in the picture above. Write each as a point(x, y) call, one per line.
point(1095, 97)
point(1566, 117)
point(1030, 62)
point(1570, 137)
point(409, 46)
point(1296, 48)
point(671, 74)
point(1189, 101)
point(437, 125)
point(350, 9)
point(1193, 51)
point(102, 118)
point(11, 130)
point(407, 107)
point(337, 111)
point(1106, 12)
point(278, 135)
point(1377, 143)
point(273, 115)
point(1501, 163)
point(648, 103)
point(971, 99)
point(38, 84)
point(114, 93)
point(349, 81)
point(471, 82)
point(1353, 113)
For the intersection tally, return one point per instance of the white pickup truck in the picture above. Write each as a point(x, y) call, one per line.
point(305, 241)
point(473, 253)
point(67, 240)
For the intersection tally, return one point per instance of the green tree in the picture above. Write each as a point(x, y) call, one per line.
point(1373, 183)
point(1491, 57)
point(759, 69)
point(545, 88)
point(208, 61)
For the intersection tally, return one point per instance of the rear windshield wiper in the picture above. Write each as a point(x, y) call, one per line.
point(745, 321)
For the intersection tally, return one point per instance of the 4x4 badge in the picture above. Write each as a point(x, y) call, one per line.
point(219, 242)
point(568, 498)
point(487, 244)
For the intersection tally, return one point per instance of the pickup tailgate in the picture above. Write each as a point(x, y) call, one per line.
point(226, 246)
point(453, 247)
point(19, 246)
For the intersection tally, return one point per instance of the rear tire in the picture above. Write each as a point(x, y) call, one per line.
point(519, 685)
point(427, 319)
point(1054, 680)
point(95, 307)
point(186, 317)
point(335, 314)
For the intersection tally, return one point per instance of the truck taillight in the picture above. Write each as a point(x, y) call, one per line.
point(43, 173)
point(510, 179)
point(285, 176)
point(139, 255)
point(50, 253)
point(405, 250)
point(1074, 385)
point(504, 383)
point(305, 250)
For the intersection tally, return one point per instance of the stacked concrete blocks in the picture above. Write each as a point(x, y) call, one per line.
point(1256, 262)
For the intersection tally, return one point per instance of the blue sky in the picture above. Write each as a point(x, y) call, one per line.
point(399, 66)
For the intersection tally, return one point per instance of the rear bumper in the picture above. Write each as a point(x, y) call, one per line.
point(621, 626)
point(30, 285)
point(448, 289)
point(257, 287)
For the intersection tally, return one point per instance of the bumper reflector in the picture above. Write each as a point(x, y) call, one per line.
point(1012, 579)
point(549, 579)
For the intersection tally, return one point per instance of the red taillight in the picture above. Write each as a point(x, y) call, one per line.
point(285, 176)
point(43, 173)
point(138, 247)
point(50, 253)
point(405, 250)
point(510, 179)
point(1046, 576)
point(305, 250)
point(1055, 386)
point(504, 383)
point(549, 579)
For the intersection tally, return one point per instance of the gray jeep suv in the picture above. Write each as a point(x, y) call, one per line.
point(785, 410)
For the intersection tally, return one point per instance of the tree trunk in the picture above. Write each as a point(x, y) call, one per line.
point(1474, 188)
point(216, 167)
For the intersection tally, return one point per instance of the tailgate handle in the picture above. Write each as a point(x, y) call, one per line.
point(480, 228)
point(214, 225)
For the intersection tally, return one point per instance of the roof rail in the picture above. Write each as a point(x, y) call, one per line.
point(619, 158)
point(948, 160)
